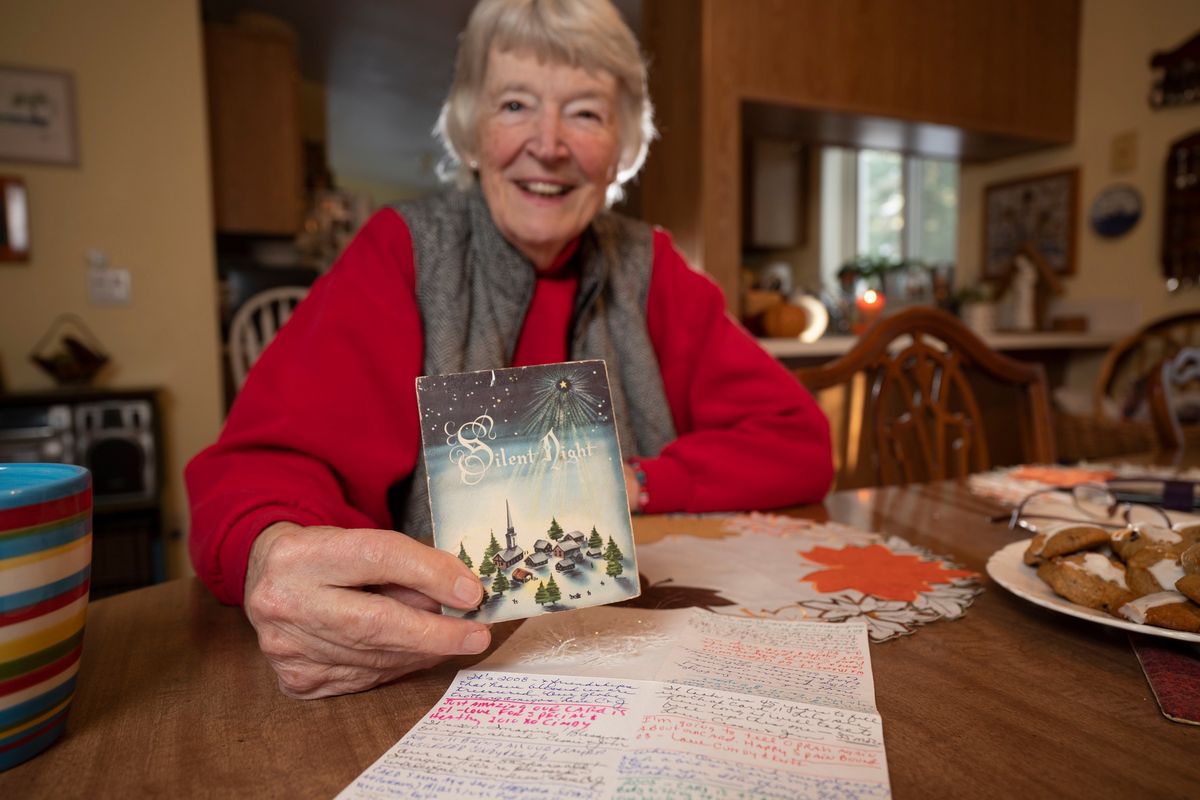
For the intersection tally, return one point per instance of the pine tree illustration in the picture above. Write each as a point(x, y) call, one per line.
point(541, 596)
point(555, 532)
point(614, 568)
point(500, 583)
point(492, 548)
point(483, 602)
point(612, 551)
point(487, 566)
point(594, 541)
point(463, 557)
point(553, 593)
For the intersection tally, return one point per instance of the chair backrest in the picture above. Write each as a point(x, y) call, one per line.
point(1164, 387)
point(255, 325)
point(910, 408)
point(1130, 361)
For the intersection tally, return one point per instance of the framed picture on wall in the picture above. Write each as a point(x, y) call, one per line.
point(14, 219)
point(1040, 211)
point(37, 116)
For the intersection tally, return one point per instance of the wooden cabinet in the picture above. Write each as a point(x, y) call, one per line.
point(254, 123)
point(775, 208)
point(1181, 213)
point(967, 80)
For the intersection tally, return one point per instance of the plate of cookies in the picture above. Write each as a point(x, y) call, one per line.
point(1142, 578)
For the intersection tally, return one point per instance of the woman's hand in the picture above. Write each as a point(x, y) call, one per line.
point(632, 488)
point(341, 610)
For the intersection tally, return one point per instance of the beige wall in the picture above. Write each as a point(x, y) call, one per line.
point(141, 194)
point(1121, 277)
point(377, 193)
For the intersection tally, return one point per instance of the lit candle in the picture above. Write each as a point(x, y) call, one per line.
point(870, 308)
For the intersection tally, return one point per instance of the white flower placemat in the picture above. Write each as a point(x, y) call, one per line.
point(836, 573)
point(1009, 485)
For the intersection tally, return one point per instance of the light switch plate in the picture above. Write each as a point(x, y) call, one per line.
point(1123, 155)
point(108, 286)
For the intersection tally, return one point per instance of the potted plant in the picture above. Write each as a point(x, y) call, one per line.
point(975, 305)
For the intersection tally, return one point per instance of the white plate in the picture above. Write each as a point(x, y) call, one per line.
point(1007, 568)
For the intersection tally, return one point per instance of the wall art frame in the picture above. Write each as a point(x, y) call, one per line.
point(14, 220)
point(37, 116)
point(1041, 211)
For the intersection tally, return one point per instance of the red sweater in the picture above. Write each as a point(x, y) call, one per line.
point(327, 420)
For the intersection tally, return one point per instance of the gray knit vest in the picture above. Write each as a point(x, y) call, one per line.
point(474, 289)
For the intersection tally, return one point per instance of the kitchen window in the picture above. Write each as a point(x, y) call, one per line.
point(886, 204)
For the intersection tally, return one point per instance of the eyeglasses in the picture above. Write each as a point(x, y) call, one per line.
point(1095, 503)
point(1177, 495)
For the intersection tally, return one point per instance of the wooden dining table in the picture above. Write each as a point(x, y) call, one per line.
point(1009, 700)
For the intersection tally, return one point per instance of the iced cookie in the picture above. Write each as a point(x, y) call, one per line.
point(1189, 586)
point(1151, 571)
point(1088, 579)
point(1164, 609)
point(1063, 538)
point(1127, 542)
point(1190, 531)
point(1190, 560)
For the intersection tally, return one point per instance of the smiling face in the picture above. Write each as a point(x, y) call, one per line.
point(547, 152)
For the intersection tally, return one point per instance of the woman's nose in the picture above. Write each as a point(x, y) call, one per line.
point(546, 143)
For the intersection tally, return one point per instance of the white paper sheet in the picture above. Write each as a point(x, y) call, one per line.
point(500, 734)
point(545, 733)
point(811, 662)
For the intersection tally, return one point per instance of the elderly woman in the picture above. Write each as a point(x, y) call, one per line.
point(295, 508)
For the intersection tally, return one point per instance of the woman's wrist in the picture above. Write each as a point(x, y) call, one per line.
point(639, 495)
point(258, 552)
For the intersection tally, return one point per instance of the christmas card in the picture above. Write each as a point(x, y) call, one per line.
point(526, 486)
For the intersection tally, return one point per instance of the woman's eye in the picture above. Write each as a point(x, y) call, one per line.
point(589, 113)
point(513, 105)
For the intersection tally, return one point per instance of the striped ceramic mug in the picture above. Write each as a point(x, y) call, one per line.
point(45, 568)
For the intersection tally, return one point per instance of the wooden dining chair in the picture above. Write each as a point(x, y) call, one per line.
point(1130, 361)
point(255, 324)
point(921, 398)
point(1164, 393)
point(1119, 422)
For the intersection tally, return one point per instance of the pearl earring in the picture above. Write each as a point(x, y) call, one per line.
point(473, 164)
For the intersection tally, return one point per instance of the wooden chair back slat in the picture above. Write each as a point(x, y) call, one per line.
point(921, 413)
point(1131, 360)
point(1166, 382)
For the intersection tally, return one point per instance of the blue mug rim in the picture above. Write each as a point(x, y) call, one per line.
point(24, 484)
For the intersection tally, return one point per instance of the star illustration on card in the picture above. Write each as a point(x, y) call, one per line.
point(562, 400)
point(877, 571)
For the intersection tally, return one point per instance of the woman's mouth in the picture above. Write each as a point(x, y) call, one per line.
point(543, 188)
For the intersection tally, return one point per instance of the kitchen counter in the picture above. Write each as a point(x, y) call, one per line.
point(792, 349)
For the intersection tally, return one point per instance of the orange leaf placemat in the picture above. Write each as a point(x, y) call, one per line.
point(1009, 485)
point(766, 566)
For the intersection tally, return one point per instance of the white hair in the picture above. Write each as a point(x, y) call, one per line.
point(589, 34)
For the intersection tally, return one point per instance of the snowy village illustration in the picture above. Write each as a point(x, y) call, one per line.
point(531, 452)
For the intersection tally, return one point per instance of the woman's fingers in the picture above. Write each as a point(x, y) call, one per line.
point(408, 596)
point(366, 621)
point(325, 633)
point(364, 557)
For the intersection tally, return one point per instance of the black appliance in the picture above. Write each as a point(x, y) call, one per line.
point(115, 434)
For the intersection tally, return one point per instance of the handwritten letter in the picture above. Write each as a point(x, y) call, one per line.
point(809, 662)
point(498, 734)
point(739, 709)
